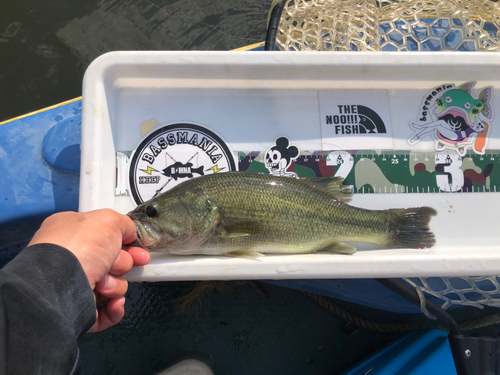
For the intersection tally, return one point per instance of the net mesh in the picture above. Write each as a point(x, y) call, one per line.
point(467, 291)
point(405, 25)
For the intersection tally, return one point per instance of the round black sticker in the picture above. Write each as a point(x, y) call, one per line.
point(173, 154)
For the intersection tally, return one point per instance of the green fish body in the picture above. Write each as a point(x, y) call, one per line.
point(246, 214)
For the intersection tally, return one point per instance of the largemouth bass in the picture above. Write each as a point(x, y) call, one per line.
point(246, 214)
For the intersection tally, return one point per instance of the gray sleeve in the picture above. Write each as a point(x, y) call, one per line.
point(46, 304)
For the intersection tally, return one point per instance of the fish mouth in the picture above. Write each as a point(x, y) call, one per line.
point(456, 113)
point(146, 235)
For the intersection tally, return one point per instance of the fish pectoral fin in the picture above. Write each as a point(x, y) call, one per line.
point(247, 254)
point(240, 229)
point(332, 186)
point(337, 248)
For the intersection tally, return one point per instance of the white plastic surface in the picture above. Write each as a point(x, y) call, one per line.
point(251, 98)
point(188, 367)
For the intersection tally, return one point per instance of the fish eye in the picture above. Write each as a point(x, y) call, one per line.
point(448, 99)
point(152, 210)
point(467, 105)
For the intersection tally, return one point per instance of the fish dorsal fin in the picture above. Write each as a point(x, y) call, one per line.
point(467, 87)
point(240, 228)
point(332, 186)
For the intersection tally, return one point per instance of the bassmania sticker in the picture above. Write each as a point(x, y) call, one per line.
point(173, 154)
point(458, 118)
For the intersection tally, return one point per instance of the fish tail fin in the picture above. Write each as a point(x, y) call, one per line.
point(485, 97)
point(409, 228)
point(199, 171)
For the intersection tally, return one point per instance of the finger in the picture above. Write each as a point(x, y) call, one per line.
point(112, 286)
point(123, 222)
point(140, 256)
point(109, 315)
point(129, 230)
point(123, 264)
point(100, 300)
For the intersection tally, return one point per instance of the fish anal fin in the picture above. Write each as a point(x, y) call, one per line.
point(337, 248)
point(246, 254)
point(240, 229)
point(332, 186)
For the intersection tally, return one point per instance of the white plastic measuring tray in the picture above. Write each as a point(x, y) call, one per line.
point(249, 99)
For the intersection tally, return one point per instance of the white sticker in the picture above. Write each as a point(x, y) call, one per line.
point(175, 153)
point(122, 162)
point(355, 120)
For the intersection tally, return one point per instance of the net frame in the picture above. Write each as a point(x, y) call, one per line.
point(477, 291)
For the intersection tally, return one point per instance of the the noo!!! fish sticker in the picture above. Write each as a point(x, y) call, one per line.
point(457, 118)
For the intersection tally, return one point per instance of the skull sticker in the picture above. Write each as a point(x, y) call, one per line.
point(279, 157)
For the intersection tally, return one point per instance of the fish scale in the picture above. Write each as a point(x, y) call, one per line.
point(280, 213)
point(257, 213)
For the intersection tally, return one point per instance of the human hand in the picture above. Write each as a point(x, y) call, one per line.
point(96, 239)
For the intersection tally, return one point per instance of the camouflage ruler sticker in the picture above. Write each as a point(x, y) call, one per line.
point(170, 155)
point(371, 171)
point(355, 119)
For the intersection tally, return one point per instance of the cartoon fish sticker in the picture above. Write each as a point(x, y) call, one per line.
point(456, 119)
point(461, 103)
